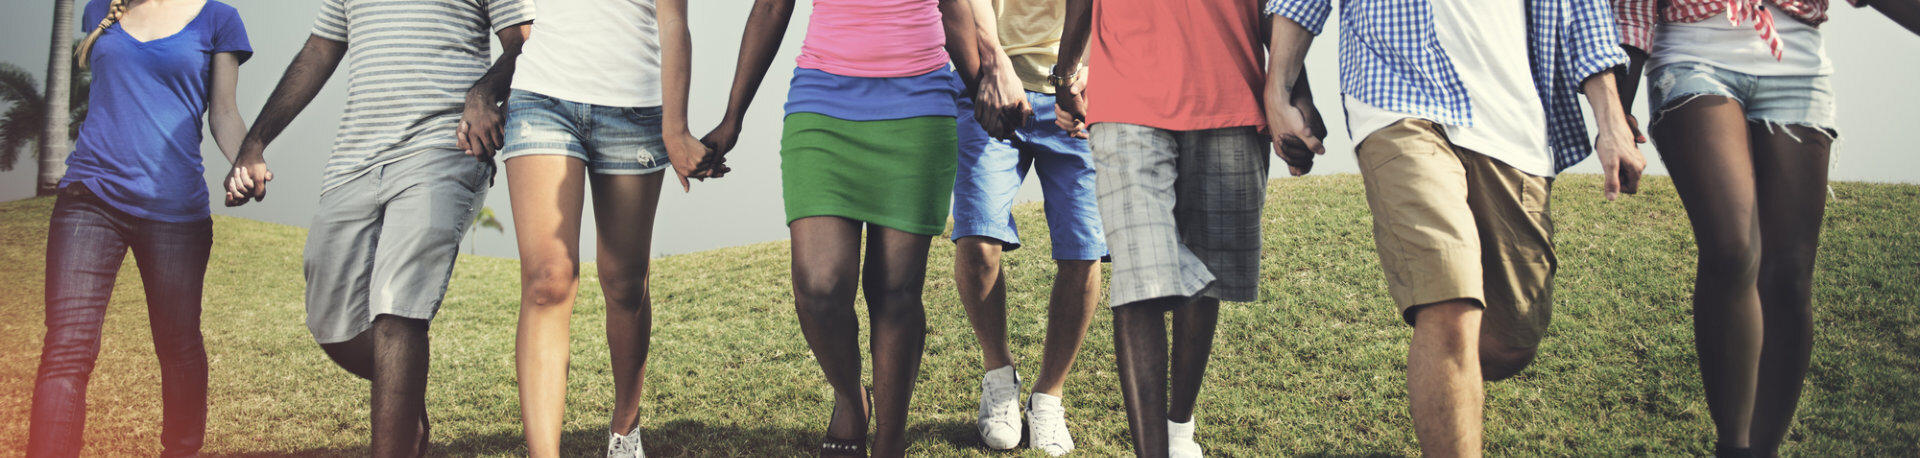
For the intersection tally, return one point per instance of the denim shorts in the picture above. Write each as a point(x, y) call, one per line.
point(1772, 100)
point(611, 140)
point(991, 171)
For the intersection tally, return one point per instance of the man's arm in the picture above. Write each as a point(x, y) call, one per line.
point(480, 123)
point(1000, 103)
point(1620, 161)
point(1070, 103)
point(301, 82)
point(1296, 135)
point(1903, 12)
point(766, 27)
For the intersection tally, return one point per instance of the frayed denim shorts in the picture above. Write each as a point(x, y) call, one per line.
point(1775, 101)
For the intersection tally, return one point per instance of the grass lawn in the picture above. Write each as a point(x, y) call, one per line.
point(1316, 368)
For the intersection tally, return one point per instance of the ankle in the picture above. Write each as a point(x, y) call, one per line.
point(1722, 450)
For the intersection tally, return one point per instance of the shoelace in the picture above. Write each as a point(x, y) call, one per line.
point(995, 392)
point(1048, 435)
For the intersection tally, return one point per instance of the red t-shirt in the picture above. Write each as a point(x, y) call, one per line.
point(1176, 64)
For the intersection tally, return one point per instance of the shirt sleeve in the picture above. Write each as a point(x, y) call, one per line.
point(1311, 14)
point(90, 18)
point(231, 36)
point(508, 13)
point(332, 22)
point(1637, 19)
point(1593, 39)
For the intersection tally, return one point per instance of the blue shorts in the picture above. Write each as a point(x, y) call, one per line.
point(1775, 101)
point(611, 140)
point(992, 170)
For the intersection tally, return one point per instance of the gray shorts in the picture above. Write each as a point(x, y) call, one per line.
point(1181, 210)
point(384, 243)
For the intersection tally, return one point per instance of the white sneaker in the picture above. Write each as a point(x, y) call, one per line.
point(1180, 442)
point(1000, 408)
point(1047, 425)
point(625, 446)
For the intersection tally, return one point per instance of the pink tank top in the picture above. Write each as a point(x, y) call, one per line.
point(874, 38)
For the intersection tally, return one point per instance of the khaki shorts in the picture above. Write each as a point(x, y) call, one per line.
point(1453, 224)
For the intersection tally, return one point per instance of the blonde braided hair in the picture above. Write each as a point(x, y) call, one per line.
point(115, 10)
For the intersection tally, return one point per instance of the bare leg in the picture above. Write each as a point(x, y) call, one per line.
point(1193, 326)
point(1704, 144)
point(546, 191)
point(983, 292)
point(354, 355)
point(399, 386)
point(826, 270)
point(623, 209)
point(1076, 291)
point(1444, 390)
point(1140, 346)
point(896, 274)
point(1791, 168)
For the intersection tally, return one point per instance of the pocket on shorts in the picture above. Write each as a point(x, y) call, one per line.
point(1407, 137)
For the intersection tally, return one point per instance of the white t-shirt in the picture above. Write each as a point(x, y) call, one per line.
point(1487, 44)
point(598, 52)
point(1716, 41)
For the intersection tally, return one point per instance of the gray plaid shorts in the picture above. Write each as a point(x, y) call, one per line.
point(1181, 210)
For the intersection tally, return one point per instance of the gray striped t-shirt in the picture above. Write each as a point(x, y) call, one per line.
point(410, 63)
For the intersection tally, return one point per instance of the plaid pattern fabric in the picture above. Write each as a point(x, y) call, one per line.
point(1390, 58)
point(1638, 18)
point(1181, 210)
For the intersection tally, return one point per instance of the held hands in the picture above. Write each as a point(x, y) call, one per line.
point(1070, 107)
point(248, 179)
point(1001, 104)
point(1620, 160)
point(1296, 128)
point(692, 158)
point(719, 141)
point(480, 129)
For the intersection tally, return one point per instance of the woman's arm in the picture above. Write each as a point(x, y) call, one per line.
point(223, 114)
point(766, 26)
point(963, 44)
point(676, 71)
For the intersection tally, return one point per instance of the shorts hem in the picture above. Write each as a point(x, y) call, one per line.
point(1008, 241)
point(603, 169)
point(541, 150)
point(1408, 306)
point(1079, 255)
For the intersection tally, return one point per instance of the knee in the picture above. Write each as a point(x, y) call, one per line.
point(1077, 268)
point(894, 292)
point(548, 284)
point(1732, 258)
point(976, 256)
point(814, 295)
point(1499, 361)
point(68, 354)
point(1452, 326)
point(625, 288)
point(181, 345)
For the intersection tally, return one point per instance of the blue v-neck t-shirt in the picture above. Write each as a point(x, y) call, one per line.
point(139, 148)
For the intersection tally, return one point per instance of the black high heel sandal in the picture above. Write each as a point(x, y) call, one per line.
point(834, 446)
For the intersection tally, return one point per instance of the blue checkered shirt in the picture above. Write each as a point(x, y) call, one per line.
point(1390, 58)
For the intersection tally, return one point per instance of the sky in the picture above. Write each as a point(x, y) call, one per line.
point(1875, 60)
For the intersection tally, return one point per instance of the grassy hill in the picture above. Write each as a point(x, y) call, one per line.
point(1316, 367)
